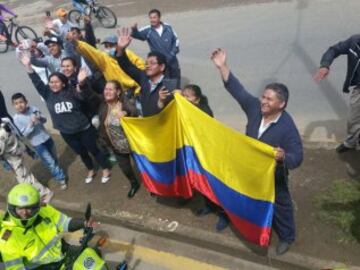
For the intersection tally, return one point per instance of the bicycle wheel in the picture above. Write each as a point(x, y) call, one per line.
point(106, 17)
point(75, 17)
point(3, 46)
point(24, 32)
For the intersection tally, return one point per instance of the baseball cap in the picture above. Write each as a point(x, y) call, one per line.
point(61, 12)
point(52, 40)
point(110, 39)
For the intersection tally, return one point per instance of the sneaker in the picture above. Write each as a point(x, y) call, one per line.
point(134, 188)
point(89, 179)
point(105, 179)
point(282, 248)
point(342, 148)
point(63, 185)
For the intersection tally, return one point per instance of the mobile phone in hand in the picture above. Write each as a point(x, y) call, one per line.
point(37, 114)
point(170, 84)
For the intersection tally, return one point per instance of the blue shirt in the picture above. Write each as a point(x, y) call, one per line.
point(35, 133)
point(283, 133)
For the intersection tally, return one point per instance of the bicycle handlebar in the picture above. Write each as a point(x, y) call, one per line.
point(12, 18)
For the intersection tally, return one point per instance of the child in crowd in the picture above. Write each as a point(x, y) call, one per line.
point(30, 122)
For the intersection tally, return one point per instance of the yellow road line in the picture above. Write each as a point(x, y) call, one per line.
point(155, 257)
point(165, 259)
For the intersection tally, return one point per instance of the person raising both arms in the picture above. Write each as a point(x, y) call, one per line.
point(64, 105)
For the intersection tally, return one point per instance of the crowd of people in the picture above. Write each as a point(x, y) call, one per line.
point(88, 89)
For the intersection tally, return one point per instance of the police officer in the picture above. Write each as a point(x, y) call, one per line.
point(30, 234)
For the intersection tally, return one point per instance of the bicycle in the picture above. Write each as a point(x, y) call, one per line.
point(22, 32)
point(105, 16)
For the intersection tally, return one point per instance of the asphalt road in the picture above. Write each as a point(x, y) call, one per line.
point(276, 41)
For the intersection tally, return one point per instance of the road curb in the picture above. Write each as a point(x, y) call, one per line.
point(208, 239)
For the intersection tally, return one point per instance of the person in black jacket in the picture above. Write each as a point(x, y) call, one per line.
point(150, 80)
point(193, 93)
point(351, 48)
point(98, 79)
point(91, 104)
point(64, 105)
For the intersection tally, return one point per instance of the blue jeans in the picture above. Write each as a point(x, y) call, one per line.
point(47, 153)
point(80, 5)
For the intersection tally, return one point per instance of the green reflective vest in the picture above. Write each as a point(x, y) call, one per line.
point(36, 245)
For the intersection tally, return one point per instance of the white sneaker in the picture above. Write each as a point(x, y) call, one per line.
point(63, 185)
point(105, 179)
point(89, 179)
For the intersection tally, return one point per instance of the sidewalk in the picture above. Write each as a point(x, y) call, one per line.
point(317, 246)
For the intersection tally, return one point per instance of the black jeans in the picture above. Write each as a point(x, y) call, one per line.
point(124, 162)
point(173, 71)
point(83, 143)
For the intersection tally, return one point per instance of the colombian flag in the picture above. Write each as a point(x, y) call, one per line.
point(182, 148)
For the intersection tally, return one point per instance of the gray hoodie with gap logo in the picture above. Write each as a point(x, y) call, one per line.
point(64, 107)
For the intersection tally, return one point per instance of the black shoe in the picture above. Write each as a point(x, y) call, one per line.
point(203, 211)
point(182, 201)
point(342, 148)
point(223, 222)
point(282, 248)
point(134, 187)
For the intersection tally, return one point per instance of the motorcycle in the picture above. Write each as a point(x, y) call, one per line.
point(84, 256)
